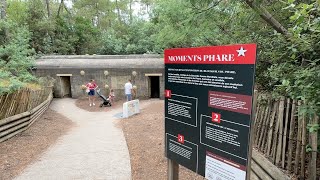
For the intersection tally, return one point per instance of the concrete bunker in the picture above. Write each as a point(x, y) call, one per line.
point(71, 72)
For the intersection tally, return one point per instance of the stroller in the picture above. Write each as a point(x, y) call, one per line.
point(106, 101)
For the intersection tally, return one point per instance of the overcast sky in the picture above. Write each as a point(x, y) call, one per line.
point(137, 8)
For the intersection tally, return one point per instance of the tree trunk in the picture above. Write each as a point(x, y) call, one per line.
point(97, 14)
point(265, 15)
point(3, 9)
point(118, 10)
point(130, 9)
point(3, 15)
point(48, 8)
point(60, 7)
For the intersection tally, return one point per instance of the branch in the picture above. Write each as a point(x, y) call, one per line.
point(265, 15)
point(207, 9)
point(60, 7)
point(66, 8)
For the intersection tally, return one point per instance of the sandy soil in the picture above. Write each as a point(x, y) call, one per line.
point(83, 103)
point(145, 138)
point(23, 149)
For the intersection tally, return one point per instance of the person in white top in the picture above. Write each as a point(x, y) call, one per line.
point(128, 90)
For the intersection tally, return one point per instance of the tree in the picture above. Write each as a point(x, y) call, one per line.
point(16, 59)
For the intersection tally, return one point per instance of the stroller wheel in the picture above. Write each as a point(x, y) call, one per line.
point(101, 105)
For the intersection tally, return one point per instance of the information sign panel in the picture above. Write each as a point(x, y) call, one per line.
point(208, 106)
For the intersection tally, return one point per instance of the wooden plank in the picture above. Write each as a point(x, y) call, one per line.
point(264, 124)
point(43, 107)
point(254, 176)
point(275, 139)
point(258, 111)
point(285, 133)
point(259, 123)
point(10, 104)
point(303, 146)
point(314, 146)
point(15, 123)
point(30, 99)
point(14, 104)
point(39, 114)
point(268, 167)
point(271, 125)
point(280, 117)
point(255, 122)
point(2, 99)
point(13, 134)
point(260, 127)
point(5, 106)
point(264, 143)
point(36, 103)
point(291, 132)
point(27, 100)
point(14, 118)
point(11, 130)
point(18, 105)
point(38, 107)
point(18, 102)
point(260, 172)
point(298, 148)
point(22, 102)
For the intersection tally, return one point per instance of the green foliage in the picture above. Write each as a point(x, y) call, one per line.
point(298, 71)
point(87, 36)
point(111, 44)
point(64, 38)
point(313, 127)
point(16, 59)
point(39, 26)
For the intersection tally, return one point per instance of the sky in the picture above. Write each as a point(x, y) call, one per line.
point(137, 8)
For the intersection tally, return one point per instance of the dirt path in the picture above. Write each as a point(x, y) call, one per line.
point(20, 151)
point(94, 149)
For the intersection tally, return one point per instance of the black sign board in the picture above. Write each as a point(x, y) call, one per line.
point(208, 102)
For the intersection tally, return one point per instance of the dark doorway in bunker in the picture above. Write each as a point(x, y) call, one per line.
point(155, 86)
point(65, 86)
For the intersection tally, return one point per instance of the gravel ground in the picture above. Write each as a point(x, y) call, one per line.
point(83, 103)
point(20, 151)
point(144, 134)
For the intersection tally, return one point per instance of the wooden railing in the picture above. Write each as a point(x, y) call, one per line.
point(19, 110)
point(281, 134)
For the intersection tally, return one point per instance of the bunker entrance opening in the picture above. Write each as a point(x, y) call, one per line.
point(154, 86)
point(65, 86)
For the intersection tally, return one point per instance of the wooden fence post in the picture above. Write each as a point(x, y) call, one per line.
point(280, 121)
point(291, 132)
point(285, 134)
point(270, 133)
point(314, 146)
point(298, 147)
point(303, 146)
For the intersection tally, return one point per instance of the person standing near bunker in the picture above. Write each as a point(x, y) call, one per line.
point(128, 90)
point(91, 86)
